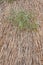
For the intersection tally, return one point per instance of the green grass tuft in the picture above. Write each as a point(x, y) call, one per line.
point(10, 1)
point(24, 20)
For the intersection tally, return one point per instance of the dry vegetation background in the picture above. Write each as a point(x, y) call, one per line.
point(21, 47)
